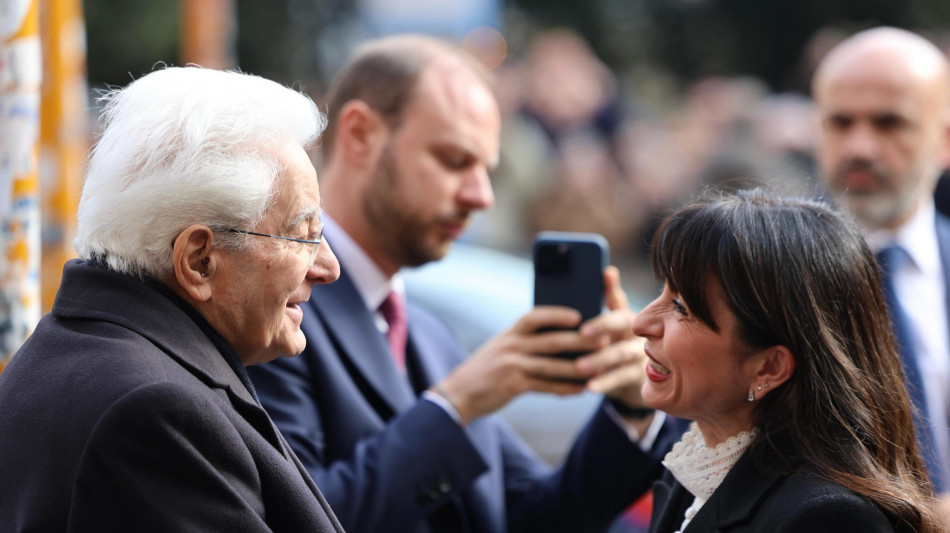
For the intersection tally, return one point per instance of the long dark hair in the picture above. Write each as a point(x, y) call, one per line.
point(797, 273)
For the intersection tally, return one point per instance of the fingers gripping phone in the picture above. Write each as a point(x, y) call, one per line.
point(569, 271)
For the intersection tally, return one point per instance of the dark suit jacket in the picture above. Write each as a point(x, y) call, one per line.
point(750, 501)
point(389, 462)
point(119, 414)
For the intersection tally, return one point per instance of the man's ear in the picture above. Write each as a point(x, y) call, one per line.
point(360, 134)
point(776, 365)
point(945, 141)
point(194, 261)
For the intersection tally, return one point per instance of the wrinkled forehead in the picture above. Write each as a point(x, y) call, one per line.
point(297, 198)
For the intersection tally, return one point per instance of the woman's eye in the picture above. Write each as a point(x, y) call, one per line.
point(679, 307)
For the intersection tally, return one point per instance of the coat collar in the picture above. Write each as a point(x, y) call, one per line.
point(89, 291)
point(741, 493)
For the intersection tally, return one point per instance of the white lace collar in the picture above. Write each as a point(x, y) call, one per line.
point(701, 469)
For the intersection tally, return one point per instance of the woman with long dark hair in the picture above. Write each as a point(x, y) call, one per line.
point(772, 335)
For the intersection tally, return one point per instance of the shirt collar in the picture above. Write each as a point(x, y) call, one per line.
point(918, 237)
point(369, 280)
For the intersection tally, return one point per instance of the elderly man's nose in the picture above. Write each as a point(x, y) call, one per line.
point(326, 268)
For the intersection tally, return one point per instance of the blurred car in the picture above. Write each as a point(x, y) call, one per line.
point(481, 292)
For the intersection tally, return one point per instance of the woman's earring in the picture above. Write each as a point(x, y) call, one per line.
point(758, 387)
point(751, 396)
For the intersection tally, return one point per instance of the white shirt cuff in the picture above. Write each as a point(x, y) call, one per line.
point(645, 441)
point(444, 404)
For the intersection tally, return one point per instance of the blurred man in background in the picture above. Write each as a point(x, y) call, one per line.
point(387, 414)
point(882, 97)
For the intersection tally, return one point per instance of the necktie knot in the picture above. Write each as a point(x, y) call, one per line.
point(892, 259)
point(393, 310)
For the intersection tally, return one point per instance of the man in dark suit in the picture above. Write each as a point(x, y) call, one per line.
point(884, 137)
point(129, 408)
point(395, 427)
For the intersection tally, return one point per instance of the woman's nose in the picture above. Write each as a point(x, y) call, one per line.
point(647, 323)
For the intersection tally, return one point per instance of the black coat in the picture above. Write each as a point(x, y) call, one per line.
point(750, 501)
point(119, 414)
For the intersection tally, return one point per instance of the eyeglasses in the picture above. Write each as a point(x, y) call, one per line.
point(314, 244)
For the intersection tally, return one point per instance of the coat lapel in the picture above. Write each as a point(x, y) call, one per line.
point(670, 501)
point(739, 496)
point(735, 501)
point(426, 353)
point(339, 306)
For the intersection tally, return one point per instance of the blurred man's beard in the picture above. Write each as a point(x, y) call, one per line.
point(872, 210)
point(402, 236)
point(883, 207)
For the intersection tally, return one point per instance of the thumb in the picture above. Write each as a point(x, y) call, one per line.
point(614, 296)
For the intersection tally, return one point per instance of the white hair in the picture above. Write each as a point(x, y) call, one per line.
point(183, 146)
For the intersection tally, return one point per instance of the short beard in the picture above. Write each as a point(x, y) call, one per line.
point(881, 209)
point(396, 232)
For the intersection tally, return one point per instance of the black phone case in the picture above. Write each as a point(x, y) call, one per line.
point(569, 271)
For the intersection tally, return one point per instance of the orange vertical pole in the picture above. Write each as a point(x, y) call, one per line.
point(63, 135)
point(20, 77)
point(207, 33)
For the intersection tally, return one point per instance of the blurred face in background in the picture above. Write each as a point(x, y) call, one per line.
point(432, 174)
point(882, 133)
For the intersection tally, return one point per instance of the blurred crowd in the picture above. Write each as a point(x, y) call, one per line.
point(585, 150)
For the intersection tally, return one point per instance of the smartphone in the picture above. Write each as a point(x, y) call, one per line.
point(569, 271)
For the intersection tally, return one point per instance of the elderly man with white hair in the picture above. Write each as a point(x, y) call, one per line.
point(199, 237)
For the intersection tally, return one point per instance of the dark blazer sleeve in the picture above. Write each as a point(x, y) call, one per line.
point(164, 458)
point(386, 471)
point(392, 478)
point(603, 474)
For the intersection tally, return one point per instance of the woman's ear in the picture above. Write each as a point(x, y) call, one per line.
point(194, 261)
point(776, 365)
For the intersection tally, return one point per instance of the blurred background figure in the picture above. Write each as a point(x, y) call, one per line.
point(884, 101)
